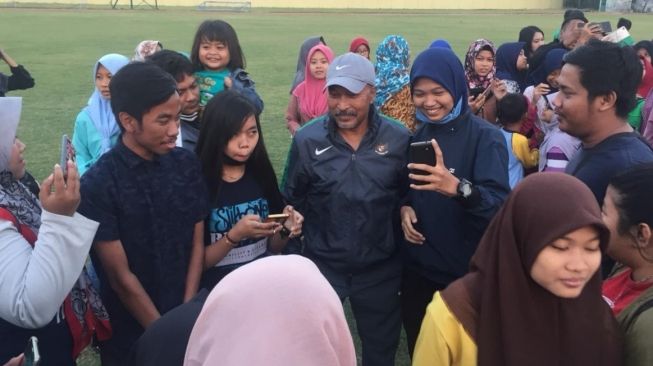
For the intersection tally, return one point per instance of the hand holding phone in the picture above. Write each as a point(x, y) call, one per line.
point(421, 153)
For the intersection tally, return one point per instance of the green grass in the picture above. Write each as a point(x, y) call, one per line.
point(60, 46)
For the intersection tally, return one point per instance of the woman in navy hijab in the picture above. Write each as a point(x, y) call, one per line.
point(452, 202)
point(512, 66)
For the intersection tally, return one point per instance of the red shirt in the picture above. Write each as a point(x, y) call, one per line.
point(619, 291)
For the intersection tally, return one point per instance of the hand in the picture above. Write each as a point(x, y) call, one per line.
point(540, 90)
point(476, 103)
point(439, 178)
point(251, 226)
point(408, 219)
point(228, 83)
point(59, 196)
point(590, 30)
point(499, 89)
point(16, 361)
point(294, 222)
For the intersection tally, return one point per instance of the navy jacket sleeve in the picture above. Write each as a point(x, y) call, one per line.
point(243, 84)
point(20, 79)
point(490, 175)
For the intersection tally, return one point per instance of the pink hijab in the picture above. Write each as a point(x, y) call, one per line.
point(275, 311)
point(310, 92)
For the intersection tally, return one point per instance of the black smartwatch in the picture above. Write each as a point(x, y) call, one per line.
point(464, 189)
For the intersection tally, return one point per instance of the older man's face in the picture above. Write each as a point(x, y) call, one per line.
point(348, 109)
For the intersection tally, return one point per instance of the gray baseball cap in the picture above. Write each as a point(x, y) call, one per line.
point(351, 71)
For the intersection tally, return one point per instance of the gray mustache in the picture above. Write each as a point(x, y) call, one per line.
point(345, 113)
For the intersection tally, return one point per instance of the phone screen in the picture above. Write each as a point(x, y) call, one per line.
point(67, 153)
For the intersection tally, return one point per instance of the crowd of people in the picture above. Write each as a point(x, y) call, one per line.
point(525, 238)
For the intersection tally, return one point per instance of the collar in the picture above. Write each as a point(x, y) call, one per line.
point(131, 158)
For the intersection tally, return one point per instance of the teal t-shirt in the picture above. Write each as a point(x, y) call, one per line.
point(210, 83)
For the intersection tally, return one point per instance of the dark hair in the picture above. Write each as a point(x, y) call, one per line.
point(511, 108)
point(223, 117)
point(526, 35)
point(172, 62)
point(634, 199)
point(605, 68)
point(623, 22)
point(137, 88)
point(218, 31)
point(647, 45)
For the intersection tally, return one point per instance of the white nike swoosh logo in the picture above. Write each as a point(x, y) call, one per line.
point(340, 67)
point(320, 152)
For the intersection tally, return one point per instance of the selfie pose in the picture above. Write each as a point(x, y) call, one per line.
point(243, 189)
point(43, 247)
point(533, 295)
point(449, 207)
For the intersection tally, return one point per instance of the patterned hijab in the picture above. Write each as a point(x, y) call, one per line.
point(515, 321)
point(145, 49)
point(474, 80)
point(99, 109)
point(310, 92)
point(14, 196)
point(392, 73)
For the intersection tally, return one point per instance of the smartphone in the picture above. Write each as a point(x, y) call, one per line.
point(279, 218)
point(475, 92)
point(606, 27)
point(32, 355)
point(421, 153)
point(67, 153)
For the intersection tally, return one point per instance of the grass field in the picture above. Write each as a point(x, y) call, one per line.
point(59, 47)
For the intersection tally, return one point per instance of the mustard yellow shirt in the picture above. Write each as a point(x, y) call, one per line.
point(442, 340)
point(527, 156)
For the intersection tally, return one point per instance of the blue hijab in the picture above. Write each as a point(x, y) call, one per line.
point(442, 66)
point(440, 43)
point(392, 61)
point(99, 109)
point(552, 62)
point(507, 63)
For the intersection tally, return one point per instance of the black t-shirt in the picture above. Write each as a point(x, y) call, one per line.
point(235, 200)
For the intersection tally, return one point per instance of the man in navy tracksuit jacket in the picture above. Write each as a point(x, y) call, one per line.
point(346, 172)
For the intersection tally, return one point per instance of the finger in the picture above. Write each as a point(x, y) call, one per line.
point(438, 153)
point(411, 232)
point(421, 178)
point(424, 187)
point(59, 183)
point(46, 187)
point(423, 167)
point(72, 181)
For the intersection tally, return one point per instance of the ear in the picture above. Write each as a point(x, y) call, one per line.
point(128, 122)
point(372, 93)
point(642, 235)
point(607, 101)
